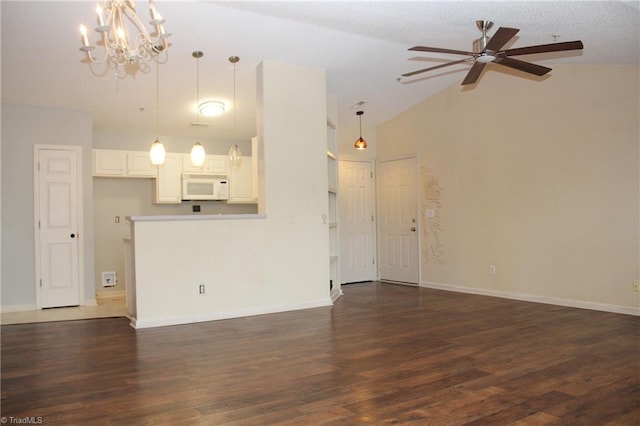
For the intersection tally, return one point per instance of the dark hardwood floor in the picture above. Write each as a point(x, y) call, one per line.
point(382, 354)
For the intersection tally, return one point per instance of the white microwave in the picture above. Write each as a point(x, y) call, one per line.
point(204, 187)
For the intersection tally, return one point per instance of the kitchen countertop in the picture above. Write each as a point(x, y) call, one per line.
point(195, 217)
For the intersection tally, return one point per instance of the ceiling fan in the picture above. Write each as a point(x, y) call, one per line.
point(488, 50)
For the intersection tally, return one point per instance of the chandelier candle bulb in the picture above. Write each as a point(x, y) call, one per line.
point(100, 17)
point(154, 15)
point(83, 32)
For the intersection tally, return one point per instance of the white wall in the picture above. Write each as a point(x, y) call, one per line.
point(257, 265)
point(540, 179)
point(22, 128)
point(133, 197)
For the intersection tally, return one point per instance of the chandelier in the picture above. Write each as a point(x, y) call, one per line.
point(124, 37)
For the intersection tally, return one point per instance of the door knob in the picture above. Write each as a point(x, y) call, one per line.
point(413, 229)
point(73, 235)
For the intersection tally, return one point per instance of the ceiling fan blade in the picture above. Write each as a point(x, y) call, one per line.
point(543, 48)
point(474, 73)
point(409, 74)
point(523, 66)
point(500, 38)
point(440, 50)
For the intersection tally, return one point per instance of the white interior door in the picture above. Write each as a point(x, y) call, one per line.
point(397, 221)
point(57, 231)
point(357, 229)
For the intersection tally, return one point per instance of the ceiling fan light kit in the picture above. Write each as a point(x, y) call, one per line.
point(487, 50)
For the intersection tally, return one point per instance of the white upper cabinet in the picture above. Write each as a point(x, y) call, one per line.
point(139, 164)
point(107, 162)
point(111, 162)
point(213, 165)
point(241, 182)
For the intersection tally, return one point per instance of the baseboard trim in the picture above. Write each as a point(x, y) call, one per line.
point(582, 304)
point(110, 295)
point(138, 323)
point(336, 293)
point(28, 307)
point(17, 308)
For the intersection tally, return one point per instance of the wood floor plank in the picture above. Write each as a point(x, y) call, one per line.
point(382, 354)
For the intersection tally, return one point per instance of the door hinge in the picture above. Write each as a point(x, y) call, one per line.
point(38, 224)
point(38, 166)
point(371, 175)
point(371, 218)
point(40, 282)
point(373, 261)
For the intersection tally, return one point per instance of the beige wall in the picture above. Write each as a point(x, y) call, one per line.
point(540, 179)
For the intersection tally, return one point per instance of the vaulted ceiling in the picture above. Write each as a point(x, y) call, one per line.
point(361, 44)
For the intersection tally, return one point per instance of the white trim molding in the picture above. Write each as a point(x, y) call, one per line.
point(582, 304)
point(18, 308)
point(214, 316)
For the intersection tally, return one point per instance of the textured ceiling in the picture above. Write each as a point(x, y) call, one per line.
point(362, 45)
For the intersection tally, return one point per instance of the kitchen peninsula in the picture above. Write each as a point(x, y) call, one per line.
point(190, 268)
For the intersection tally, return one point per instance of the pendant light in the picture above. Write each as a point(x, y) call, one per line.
point(235, 155)
point(198, 154)
point(360, 144)
point(157, 152)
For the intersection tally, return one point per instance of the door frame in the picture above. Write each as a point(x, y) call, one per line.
point(416, 159)
point(374, 211)
point(36, 217)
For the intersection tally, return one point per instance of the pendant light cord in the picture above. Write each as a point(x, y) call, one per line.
point(235, 103)
point(197, 54)
point(157, 99)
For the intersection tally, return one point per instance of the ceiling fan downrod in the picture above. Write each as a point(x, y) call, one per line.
point(479, 45)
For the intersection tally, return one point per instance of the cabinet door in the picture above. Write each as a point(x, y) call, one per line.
point(213, 165)
point(109, 162)
point(139, 164)
point(168, 184)
point(241, 182)
point(216, 165)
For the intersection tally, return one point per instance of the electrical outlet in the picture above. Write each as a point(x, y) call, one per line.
point(492, 269)
point(636, 285)
point(201, 289)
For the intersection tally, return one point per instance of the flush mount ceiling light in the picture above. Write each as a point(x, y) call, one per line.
point(198, 155)
point(117, 20)
point(211, 108)
point(360, 144)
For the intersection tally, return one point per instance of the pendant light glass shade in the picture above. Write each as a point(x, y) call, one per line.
point(360, 144)
point(157, 153)
point(235, 155)
point(198, 155)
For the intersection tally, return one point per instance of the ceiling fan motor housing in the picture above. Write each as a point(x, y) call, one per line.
point(480, 43)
